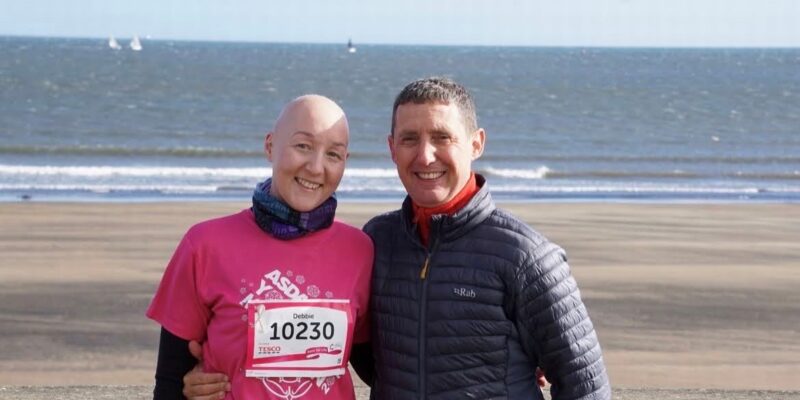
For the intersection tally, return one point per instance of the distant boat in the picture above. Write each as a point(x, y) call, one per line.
point(350, 47)
point(113, 43)
point(136, 45)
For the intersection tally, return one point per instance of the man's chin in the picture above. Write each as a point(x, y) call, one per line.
point(428, 200)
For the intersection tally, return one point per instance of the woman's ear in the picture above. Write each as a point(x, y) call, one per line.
point(268, 146)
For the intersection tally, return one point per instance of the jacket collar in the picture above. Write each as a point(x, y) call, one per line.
point(449, 227)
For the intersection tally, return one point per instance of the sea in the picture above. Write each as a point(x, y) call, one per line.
point(182, 120)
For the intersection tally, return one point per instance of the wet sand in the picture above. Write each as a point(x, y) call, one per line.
point(682, 296)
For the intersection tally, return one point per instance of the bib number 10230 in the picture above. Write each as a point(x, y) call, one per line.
point(295, 338)
point(301, 331)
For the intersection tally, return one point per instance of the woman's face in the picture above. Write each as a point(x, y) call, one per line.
point(308, 150)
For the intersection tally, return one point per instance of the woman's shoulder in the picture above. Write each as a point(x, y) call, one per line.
point(351, 243)
point(350, 232)
point(221, 226)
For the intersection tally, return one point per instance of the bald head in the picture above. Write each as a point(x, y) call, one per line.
point(307, 148)
point(311, 113)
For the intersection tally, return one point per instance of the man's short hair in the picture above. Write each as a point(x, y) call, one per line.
point(438, 90)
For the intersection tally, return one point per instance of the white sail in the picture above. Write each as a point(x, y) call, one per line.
point(136, 45)
point(113, 43)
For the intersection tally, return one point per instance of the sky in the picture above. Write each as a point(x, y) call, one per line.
point(607, 23)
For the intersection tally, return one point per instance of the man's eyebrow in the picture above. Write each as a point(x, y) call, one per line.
point(407, 132)
point(441, 131)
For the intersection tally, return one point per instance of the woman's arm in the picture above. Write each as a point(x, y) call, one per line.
point(174, 361)
point(361, 360)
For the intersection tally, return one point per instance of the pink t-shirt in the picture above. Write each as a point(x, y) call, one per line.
point(222, 264)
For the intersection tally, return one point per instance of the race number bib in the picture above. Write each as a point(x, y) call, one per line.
point(298, 338)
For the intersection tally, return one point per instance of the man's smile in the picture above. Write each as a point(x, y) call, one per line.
point(430, 175)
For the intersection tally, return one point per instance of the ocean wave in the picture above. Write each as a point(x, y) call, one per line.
point(220, 152)
point(257, 173)
point(111, 188)
point(188, 152)
point(538, 173)
point(632, 189)
point(675, 174)
point(142, 172)
point(81, 150)
point(370, 172)
point(624, 159)
point(396, 188)
point(167, 172)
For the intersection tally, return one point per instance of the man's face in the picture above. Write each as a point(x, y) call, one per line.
point(308, 152)
point(433, 151)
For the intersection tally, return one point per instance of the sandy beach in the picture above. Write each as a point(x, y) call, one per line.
point(682, 295)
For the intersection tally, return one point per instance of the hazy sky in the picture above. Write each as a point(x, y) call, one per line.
point(750, 23)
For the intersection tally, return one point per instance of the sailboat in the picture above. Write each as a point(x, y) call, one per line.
point(136, 45)
point(113, 43)
point(350, 47)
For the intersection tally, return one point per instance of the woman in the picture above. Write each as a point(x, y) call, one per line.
point(277, 293)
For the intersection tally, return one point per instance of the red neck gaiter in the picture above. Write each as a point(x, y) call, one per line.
point(422, 215)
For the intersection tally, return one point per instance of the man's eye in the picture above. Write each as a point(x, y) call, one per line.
point(334, 155)
point(442, 138)
point(302, 146)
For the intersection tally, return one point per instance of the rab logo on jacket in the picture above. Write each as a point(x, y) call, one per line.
point(464, 292)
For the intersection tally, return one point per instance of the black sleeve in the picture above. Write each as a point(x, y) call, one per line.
point(174, 361)
point(361, 360)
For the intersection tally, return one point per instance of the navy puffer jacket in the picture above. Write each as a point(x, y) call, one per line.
point(474, 314)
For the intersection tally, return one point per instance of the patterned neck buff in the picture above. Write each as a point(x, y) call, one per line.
point(281, 221)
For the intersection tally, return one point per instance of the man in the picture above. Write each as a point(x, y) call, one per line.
point(467, 300)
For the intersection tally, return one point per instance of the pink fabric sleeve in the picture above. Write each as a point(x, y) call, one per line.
point(177, 305)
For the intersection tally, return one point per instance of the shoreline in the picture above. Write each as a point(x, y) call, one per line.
point(700, 296)
point(23, 198)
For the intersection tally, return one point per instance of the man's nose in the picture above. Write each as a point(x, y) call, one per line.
point(427, 153)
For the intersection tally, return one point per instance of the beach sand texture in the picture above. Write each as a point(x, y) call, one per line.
point(682, 295)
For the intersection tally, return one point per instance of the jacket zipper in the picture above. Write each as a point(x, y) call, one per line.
point(422, 317)
point(423, 275)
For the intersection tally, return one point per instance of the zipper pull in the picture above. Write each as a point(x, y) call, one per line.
point(424, 272)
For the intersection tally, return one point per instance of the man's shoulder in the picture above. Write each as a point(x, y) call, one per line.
point(382, 222)
point(504, 221)
point(540, 251)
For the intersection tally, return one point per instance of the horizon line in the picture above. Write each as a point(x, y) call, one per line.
point(344, 43)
